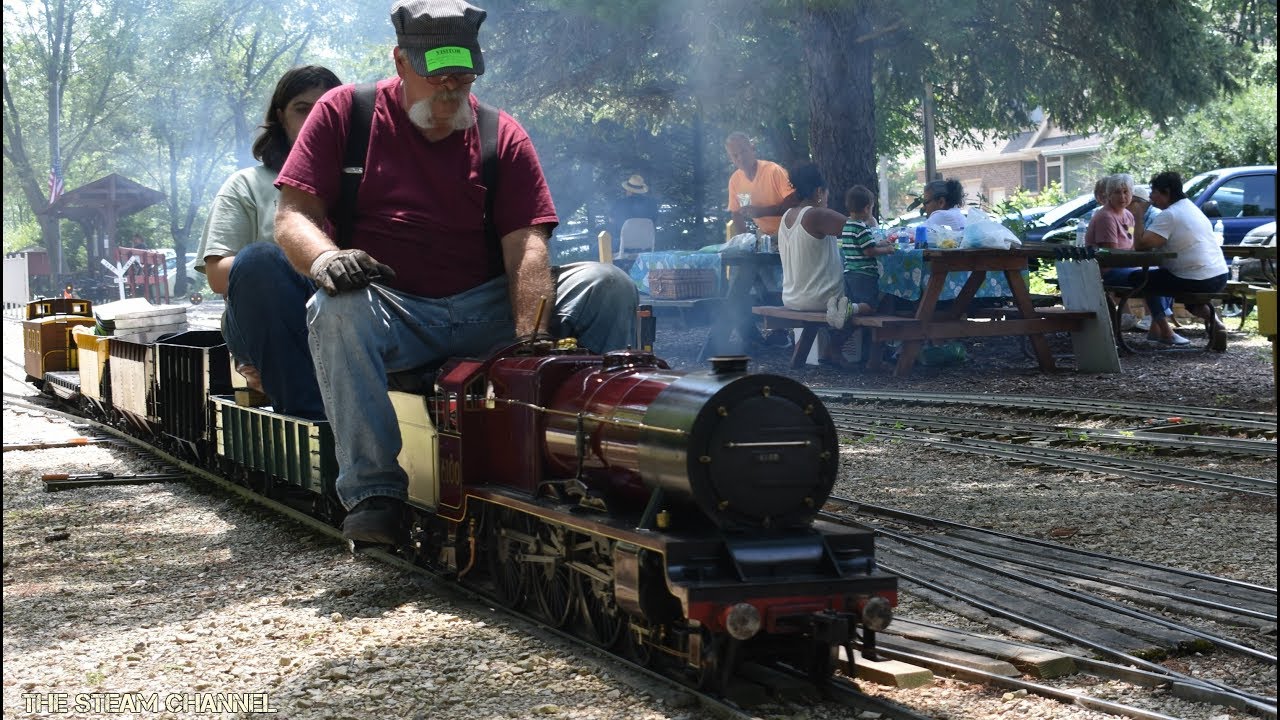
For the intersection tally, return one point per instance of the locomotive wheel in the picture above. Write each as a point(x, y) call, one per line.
point(635, 646)
point(822, 663)
point(710, 674)
point(510, 575)
point(553, 584)
point(605, 621)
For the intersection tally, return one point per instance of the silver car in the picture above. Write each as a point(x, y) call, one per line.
point(1250, 268)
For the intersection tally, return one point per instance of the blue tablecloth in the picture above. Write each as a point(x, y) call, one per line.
point(904, 274)
point(689, 259)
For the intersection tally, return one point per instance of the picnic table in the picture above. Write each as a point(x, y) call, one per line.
point(971, 269)
point(746, 271)
point(1265, 254)
point(1141, 260)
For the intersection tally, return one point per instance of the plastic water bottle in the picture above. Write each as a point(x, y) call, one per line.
point(1081, 227)
point(1217, 232)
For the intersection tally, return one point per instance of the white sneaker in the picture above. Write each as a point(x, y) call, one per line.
point(1174, 339)
point(837, 311)
point(1144, 324)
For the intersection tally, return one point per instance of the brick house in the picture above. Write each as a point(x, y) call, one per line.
point(1031, 159)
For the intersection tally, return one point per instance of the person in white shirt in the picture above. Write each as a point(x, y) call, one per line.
point(942, 201)
point(812, 271)
point(1198, 268)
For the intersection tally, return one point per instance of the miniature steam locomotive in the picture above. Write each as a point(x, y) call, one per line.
point(673, 514)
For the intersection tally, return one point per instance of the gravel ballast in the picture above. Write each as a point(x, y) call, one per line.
point(178, 590)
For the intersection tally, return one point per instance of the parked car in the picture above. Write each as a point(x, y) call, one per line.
point(1241, 197)
point(1062, 218)
point(1251, 268)
point(189, 267)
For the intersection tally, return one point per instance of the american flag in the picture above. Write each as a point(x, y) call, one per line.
point(55, 184)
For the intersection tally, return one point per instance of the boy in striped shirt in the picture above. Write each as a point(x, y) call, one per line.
point(858, 248)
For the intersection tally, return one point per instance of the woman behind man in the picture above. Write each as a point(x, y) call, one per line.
point(264, 324)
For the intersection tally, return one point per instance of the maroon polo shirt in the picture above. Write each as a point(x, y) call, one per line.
point(421, 204)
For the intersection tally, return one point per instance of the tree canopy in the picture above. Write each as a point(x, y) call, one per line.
point(171, 94)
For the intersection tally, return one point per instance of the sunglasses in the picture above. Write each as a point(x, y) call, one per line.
point(457, 78)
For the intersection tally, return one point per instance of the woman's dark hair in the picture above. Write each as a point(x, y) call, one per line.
point(272, 145)
point(806, 179)
point(858, 198)
point(951, 190)
point(1169, 183)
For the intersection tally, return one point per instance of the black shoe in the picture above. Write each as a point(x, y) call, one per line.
point(374, 520)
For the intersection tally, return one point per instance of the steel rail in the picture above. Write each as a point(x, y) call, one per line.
point(1064, 433)
point(1057, 589)
point(1251, 698)
point(1092, 462)
point(1102, 668)
point(715, 706)
point(941, 522)
point(1217, 416)
point(1181, 595)
point(1064, 696)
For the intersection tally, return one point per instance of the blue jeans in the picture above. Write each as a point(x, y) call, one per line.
point(358, 337)
point(1120, 276)
point(1162, 283)
point(265, 325)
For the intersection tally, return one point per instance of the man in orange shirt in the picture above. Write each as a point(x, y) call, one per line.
point(763, 184)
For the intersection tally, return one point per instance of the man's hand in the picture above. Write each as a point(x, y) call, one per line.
point(338, 271)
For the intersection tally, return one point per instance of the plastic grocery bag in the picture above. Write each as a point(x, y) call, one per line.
point(746, 242)
point(943, 237)
point(952, 353)
point(981, 231)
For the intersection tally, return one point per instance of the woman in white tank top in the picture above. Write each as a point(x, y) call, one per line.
point(812, 272)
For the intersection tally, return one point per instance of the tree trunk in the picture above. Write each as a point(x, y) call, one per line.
point(842, 119)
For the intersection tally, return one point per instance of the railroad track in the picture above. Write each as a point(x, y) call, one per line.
point(1023, 432)
point(1089, 600)
point(843, 691)
point(1149, 471)
point(1258, 423)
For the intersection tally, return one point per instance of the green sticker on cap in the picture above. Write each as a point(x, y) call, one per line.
point(447, 57)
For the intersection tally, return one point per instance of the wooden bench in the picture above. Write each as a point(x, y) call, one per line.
point(809, 323)
point(885, 328)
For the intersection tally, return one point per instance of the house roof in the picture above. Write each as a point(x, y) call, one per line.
point(112, 193)
point(1029, 144)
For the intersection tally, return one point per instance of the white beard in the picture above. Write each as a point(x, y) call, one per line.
point(420, 112)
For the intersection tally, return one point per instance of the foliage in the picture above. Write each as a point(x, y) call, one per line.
point(24, 236)
point(171, 95)
point(1038, 279)
point(1010, 209)
point(1239, 130)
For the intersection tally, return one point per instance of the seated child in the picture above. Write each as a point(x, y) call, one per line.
point(858, 248)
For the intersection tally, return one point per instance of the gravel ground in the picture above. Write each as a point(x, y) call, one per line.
point(206, 595)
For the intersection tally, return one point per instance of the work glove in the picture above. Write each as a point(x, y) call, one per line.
point(338, 271)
